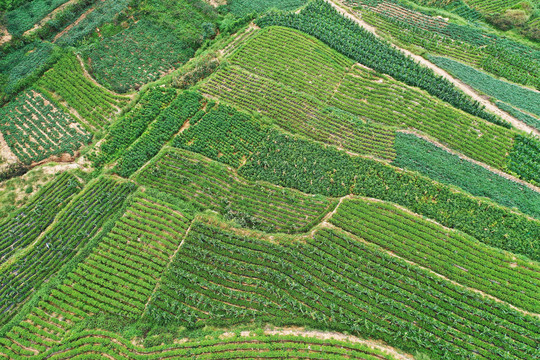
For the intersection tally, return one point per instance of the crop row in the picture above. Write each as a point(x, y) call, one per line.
point(185, 106)
point(274, 52)
point(473, 45)
point(113, 346)
point(446, 252)
point(130, 126)
point(520, 115)
point(314, 169)
point(245, 7)
point(335, 282)
point(366, 94)
point(525, 99)
point(321, 20)
point(117, 277)
point(298, 112)
point(417, 154)
point(95, 105)
point(35, 128)
point(25, 225)
point(524, 158)
point(223, 134)
point(210, 185)
point(73, 228)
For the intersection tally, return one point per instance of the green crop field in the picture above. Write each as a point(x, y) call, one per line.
point(269, 179)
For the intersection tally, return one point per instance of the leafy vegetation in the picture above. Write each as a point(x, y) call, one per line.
point(25, 225)
point(517, 96)
point(313, 169)
point(170, 120)
point(336, 282)
point(525, 158)
point(24, 17)
point(210, 185)
point(449, 253)
point(132, 125)
point(520, 115)
point(136, 56)
point(416, 154)
point(76, 224)
point(245, 7)
point(68, 83)
point(321, 20)
point(35, 128)
point(466, 43)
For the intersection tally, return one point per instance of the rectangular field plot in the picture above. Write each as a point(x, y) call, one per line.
point(221, 277)
point(36, 129)
point(211, 185)
point(74, 227)
point(365, 93)
point(95, 105)
point(298, 112)
point(457, 256)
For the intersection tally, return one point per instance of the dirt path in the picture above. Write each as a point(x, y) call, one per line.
point(5, 36)
point(324, 335)
point(5, 151)
point(343, 9)
point(73, 24)
point(461, 156)
point(50, 16)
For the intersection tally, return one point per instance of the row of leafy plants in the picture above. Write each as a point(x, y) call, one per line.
point(321, 20)
point(73, 228)
point(27, 223)
point(334, 282)
point(210, 185)
point(449, 253)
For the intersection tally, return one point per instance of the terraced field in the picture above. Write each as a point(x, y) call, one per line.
point(35, 128)
point(269, 179)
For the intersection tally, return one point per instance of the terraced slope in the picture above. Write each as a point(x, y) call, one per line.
point(210, 185)
point(90, 343)
point(35, 128)
point(334, 281)
point(24, 226)
point(72, 229)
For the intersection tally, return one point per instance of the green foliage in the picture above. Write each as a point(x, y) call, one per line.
point(160, 131)
point(517, 96)
point(335, 282)
point(210, 185)
point(458, 257)
point(467, 43)
point(73, 228)
point(24, 65)
point(245, 7)
point(35, 128)
point(384, 100)
point(526, 118)
point(136, 56)
point(313, 169)
point(321, 20)
point(223, 134)
point(267, 78)
point(112, 345)
point(414, 153)
point(24, 17)
point(67, 81)
point(26, 224)
point(187, 20)
point(132, 124)
point(104, 12)
point(524, 159)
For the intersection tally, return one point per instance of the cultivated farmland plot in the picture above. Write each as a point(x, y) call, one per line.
point(269, 179)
